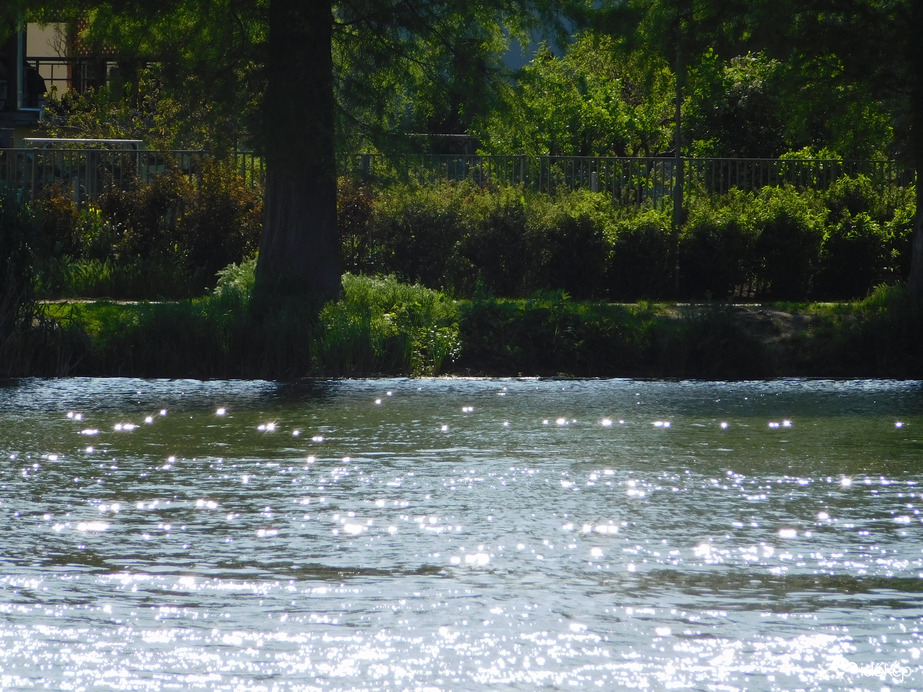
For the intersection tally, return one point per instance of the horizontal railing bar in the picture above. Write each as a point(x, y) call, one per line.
point(629, 180)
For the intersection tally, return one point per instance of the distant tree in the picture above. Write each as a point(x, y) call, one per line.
point(593, 100)
point(860, 62)
point(849, 72)
point(735, 107)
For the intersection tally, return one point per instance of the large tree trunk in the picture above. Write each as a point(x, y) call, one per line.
point(300, 249)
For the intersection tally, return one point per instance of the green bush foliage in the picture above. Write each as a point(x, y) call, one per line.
point(880, 336)
point(849, 196)
point(775, 243)
point(382, 326)
point(16, 297)
point(642, 258)
point(416, 230)
point(717, 248)
point(855, 256)
point(166, 238)
point(789, 231)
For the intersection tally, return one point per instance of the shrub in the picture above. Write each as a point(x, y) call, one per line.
point(789, 231)
point(416, 230)
point(568, 237)
point(708, 342)
point(850, 196)
point(899, 229)
point(716, 249)
point(382, 326)
point(161, 239)
point(497, 245)
point(355, 216)
point(642, 258)
point(17, 304)
point(855, 256)
point(220, 221)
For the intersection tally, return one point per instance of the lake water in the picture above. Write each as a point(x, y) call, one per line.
point(461, 534)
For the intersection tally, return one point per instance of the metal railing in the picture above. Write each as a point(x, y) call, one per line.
point(62, 74)
point(629, 180)
point(86, 172)
point(86, 169)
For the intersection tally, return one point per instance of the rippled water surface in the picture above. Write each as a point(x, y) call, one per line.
point(460, 534)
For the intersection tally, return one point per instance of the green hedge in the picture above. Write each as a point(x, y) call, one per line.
point(777, 243)
point(169, 238)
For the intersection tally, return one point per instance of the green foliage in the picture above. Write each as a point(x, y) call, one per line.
point(789, 232)
point(466, 239)
point(855, 256)
point(881, 336)
point(384, 327)
point(594, 100)
point(717, 248)
point(236, 281)
point(550, 335)
point(570, 247)
point(734, 107)
point(221, 221)
point(164, 109)
point(497, 243)
point(642, 257)
point(776, 243)
point(867, 238)
point(17, 306)
point(709, 342)
point(355, 211)
point(139, 279)
point(415, 231)
point(163, 239)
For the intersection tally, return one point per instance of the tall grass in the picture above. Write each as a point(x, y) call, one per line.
point(378, 327)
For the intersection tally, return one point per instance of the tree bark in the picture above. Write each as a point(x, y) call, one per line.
point(300, 247)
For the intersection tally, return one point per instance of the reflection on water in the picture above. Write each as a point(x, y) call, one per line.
point(460, 534)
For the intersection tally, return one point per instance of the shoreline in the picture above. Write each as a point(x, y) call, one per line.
point(494, 338)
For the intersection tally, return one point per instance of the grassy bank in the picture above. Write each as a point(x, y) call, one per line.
point(383, 327)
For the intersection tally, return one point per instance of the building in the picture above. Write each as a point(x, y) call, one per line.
point(22, 90)
point(37, 60)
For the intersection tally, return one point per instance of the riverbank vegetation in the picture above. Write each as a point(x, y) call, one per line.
point(492, 276)
point(168, 238)
point(454, 278)
point(382, 327)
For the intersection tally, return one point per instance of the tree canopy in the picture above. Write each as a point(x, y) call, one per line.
point(298, 80)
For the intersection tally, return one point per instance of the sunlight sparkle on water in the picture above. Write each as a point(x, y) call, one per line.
point(580, 557)
point(92, 526)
